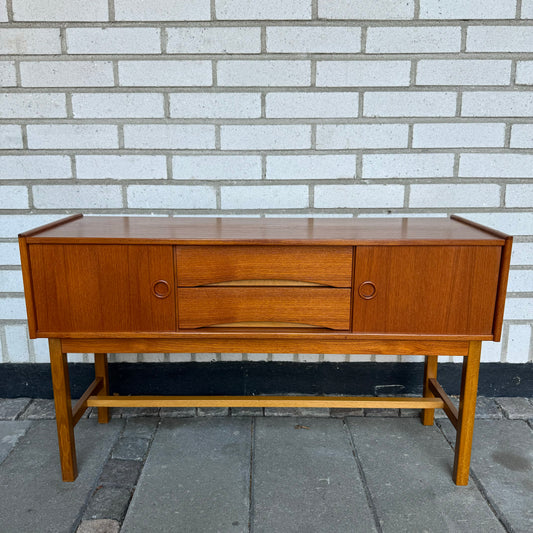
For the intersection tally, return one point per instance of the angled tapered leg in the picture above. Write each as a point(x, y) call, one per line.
point(430, 371)
point(65, 425)
point(100, 371)
point(467, 412)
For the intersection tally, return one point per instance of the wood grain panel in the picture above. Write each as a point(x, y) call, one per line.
point(427, 289)
point(269, 231)
point(209, 306)
point(202, 265)
point(102, 288)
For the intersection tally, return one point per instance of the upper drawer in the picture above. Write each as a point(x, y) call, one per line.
point(323, 265)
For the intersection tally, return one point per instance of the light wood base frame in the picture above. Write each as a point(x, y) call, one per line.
point(434, 397)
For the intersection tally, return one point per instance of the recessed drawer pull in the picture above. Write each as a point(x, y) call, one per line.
point(160, 288)
point(367, 290)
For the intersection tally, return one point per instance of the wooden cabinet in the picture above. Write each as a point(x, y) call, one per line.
point(426, 290)
point(84, 288)
point(372, 286)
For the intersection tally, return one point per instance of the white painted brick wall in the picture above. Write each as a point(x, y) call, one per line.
point(214, 167)
point(121, 167)
point(265, 197)
point(312, 105)
point(34, 167)
point(76, 196)
point(404, 40)
point(302, 167)
point(66, 73)
point(13, 197)
point(171, 10)
point(497, 104)
point(496, 166)
point(9, 253)
point(230, 40)
point(281, 108)
point(215, 105)
point(36, 105)
point(8, 77)
point(60, 10)
point(524, 72)
point(519, 195)
point(264, 73)
point(11, 281)
point(354, 196)
point(335, 39)
point(118, 105)
point(453, 195)
point(177, 136)
point(265, 137)
point(407, 165)
point(10, 136)
point(271, 10)
point(30, 41)
point(499, 39)
point(467, 9)
point(171, 73)
point(406, 104)
point(343, 136)
point(463, 72)
point(68, 136)
point(376, 9)
point(363, 73)
point(113, 40)
point(450, 135)
point(171, 197)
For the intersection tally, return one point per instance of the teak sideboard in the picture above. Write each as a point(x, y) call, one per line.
point(417, 286)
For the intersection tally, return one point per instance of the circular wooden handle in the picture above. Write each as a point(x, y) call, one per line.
point(367, 290)
point(160, 288)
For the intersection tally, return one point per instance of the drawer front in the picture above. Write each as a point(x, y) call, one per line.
point(205, 265)
point(239, 306)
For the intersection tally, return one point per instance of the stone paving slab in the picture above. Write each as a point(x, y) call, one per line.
point(196, 478)
point(305, 478)
point(10, 433)
point(516, 408)
point(12, 408)
point(502, 461)
point(33, 496)
point(408, 470)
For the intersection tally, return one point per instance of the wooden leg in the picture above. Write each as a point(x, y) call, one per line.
point(467, 412)
point(430, 371)
point(100, 371)
point(65, 425)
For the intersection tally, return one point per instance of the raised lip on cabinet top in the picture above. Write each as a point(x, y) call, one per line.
point(394, 231)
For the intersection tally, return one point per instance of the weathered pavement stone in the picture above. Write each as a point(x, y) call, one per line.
point(177, 412)
point(120, 473)
point(108, 502)
point(297, 411)
point(130, 448)
point(98, 526)
point(33, 496)
point(11, 408)
point(516, 408)
point(212, 411)
point(10, 433)
point(306, 479)
point(502, 460)
point(197, 475)
point(408, 470)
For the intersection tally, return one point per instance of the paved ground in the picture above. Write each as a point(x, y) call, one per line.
point(265, 471)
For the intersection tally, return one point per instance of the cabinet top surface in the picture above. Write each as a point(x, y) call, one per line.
point(280, 231)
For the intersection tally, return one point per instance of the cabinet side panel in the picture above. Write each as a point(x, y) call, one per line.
point(28, 286)
point(102, 288)
point(446, 290)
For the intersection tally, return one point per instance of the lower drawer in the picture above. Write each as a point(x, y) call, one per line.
point(238, 306)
